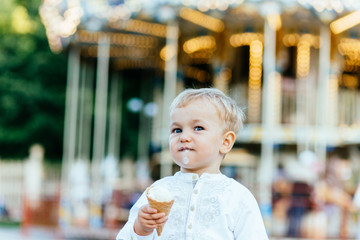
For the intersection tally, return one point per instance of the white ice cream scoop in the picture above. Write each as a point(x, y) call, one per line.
point(159, 194)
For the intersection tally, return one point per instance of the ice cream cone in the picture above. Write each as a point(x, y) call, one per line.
point(161, 207)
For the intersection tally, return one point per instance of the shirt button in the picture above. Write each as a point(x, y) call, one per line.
point(196, 191)
point(194, 177)
point(190, 226)
point(192, 208)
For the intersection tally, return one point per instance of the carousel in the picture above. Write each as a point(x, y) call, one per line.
point(292, 65)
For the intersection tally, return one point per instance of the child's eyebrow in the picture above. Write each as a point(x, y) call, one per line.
point(198, 121)
point(174, 124)
point(195, 121)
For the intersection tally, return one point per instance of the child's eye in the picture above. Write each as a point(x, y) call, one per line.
point(199, 128)
point(176, 130)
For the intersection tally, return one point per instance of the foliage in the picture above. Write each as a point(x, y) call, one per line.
point(32, 83)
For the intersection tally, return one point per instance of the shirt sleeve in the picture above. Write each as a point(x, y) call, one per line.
point(249, 223)
point(127, 232)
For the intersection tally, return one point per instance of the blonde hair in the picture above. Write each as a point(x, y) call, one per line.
point(227, 108)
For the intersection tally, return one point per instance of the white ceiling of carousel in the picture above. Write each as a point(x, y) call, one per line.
point(63, 18)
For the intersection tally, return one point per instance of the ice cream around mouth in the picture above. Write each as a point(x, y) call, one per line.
point(185, 158)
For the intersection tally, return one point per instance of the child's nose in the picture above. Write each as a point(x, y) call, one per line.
point(185, 137)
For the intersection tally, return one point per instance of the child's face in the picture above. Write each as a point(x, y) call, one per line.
point(196, 137)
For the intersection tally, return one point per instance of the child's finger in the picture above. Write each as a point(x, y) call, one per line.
point(162, 220)
point(145, 216)
point(157, 216)
point(150, 213)
point(154, 217)
point(154, 224)
point(148, 224)
point(148, 209)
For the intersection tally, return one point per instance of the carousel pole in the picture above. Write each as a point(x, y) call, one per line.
point(101, 94)
point(115, 117)
point(85, 112)
point(70, 127)
point(270, 11)
point(168, 94)
point(323, 88)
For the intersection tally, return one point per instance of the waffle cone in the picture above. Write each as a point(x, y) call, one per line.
point(161, 207)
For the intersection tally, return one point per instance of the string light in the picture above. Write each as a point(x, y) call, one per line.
point(293, 39)
point(163, 53)
point(303, 43)
point(350, 48)
point(202, 19)
point(199, 43)
point(129, 40)
point(350, 81)
point(303, 59)
point(140, 26)
point(345, 23)
point(255, 73)
point(243, 39)
point(136, 63)
point(116, 51)
point(255, 42)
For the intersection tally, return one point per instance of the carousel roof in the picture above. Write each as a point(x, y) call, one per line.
point(143, 24)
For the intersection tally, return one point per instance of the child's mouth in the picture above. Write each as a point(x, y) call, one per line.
point(184, 149)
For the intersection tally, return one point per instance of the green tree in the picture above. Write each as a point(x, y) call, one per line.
point(32, 83)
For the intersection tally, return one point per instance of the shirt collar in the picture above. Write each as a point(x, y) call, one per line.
point(204, 176)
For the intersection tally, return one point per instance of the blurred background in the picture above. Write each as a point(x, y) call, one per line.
point(85, 87)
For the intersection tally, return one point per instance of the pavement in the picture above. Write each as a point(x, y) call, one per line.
point(14, 233)
point(44, 233)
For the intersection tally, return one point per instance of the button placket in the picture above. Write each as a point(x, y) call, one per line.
point(192, 207)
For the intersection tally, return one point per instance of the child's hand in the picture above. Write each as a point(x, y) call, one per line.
point(148, 219)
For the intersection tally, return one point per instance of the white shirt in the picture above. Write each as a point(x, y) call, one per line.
point(212, 206)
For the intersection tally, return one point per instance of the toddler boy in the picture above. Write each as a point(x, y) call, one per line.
point(208, 205)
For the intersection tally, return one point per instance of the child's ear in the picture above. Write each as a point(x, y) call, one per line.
point(228, 142)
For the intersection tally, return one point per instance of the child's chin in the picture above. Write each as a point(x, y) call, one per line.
point(184, 166)
point(187, 168)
